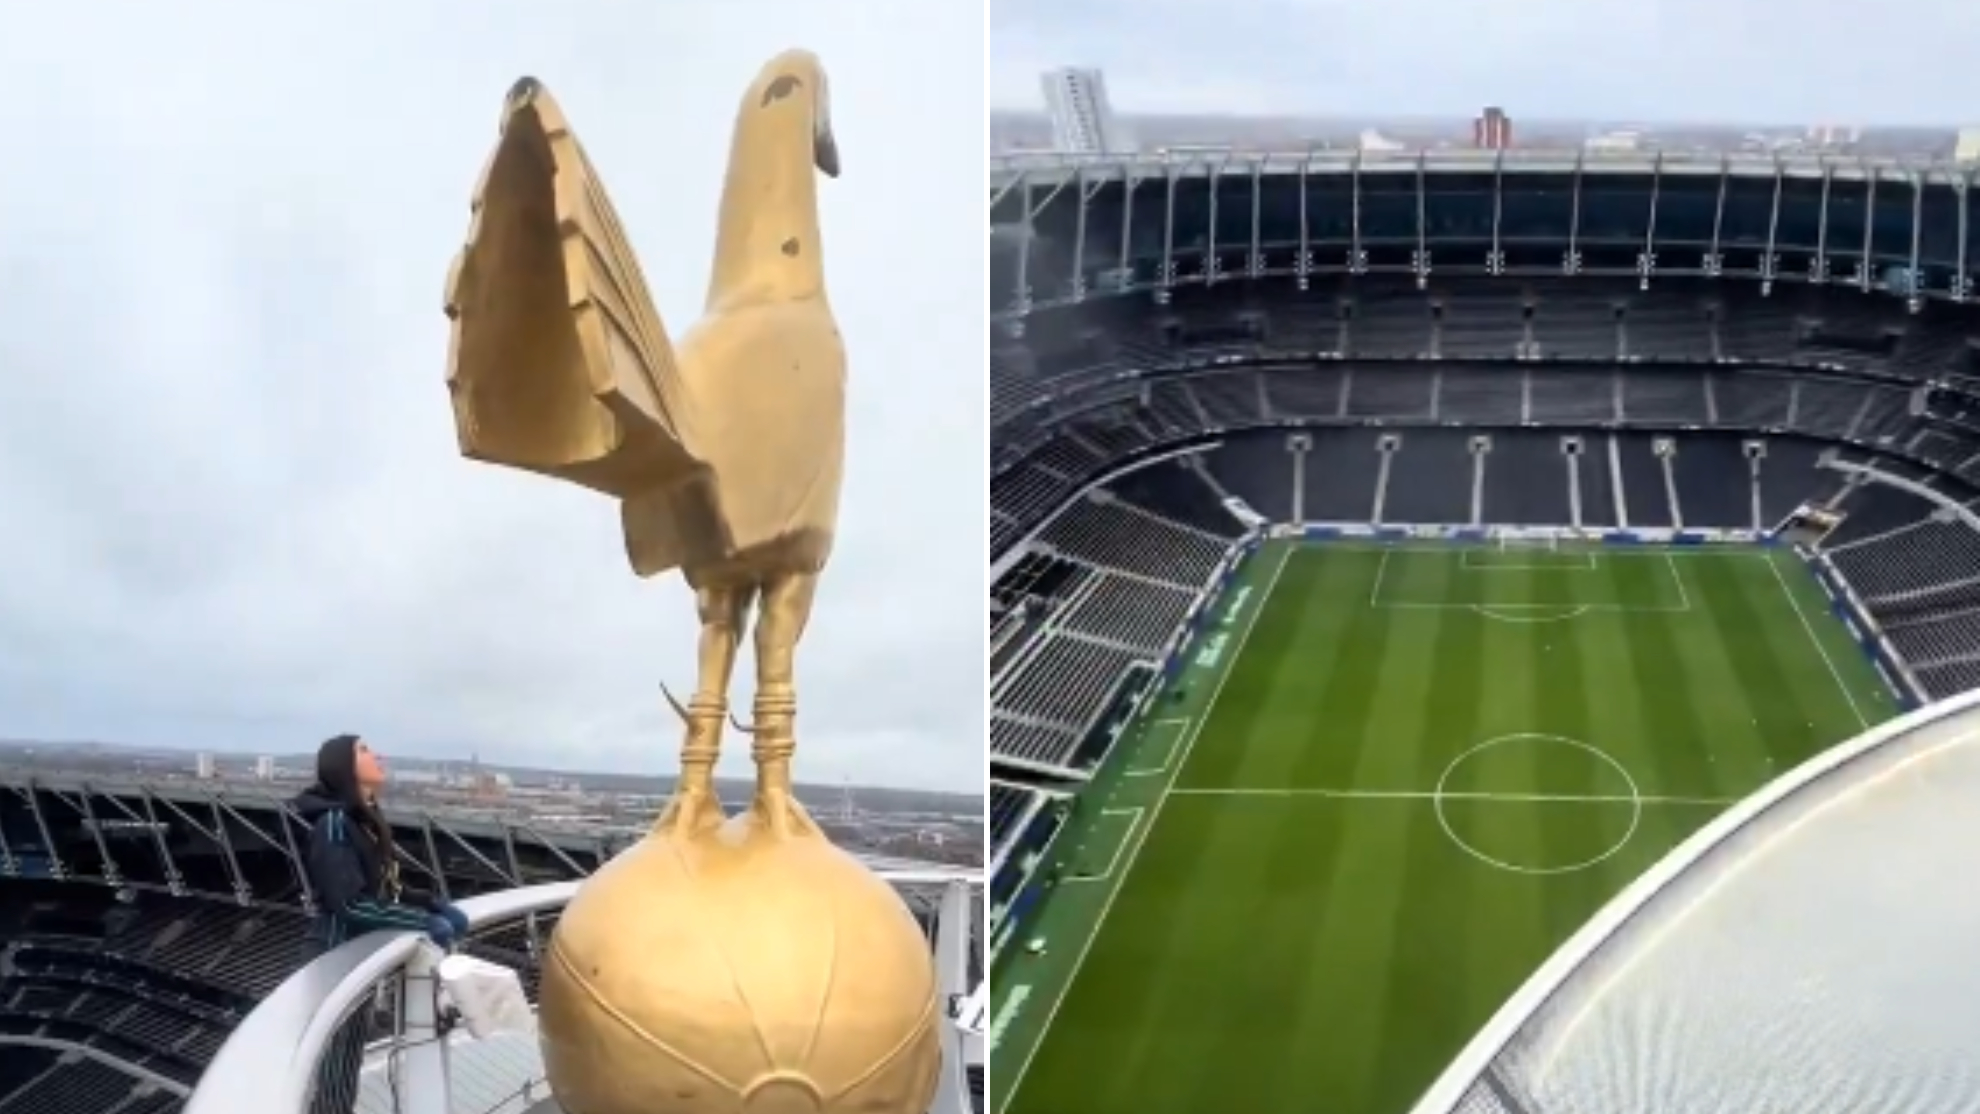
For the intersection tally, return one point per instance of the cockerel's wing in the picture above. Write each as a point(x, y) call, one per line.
point(559, 362)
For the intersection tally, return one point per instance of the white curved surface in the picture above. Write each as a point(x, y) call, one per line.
point(1815, 949)
point(269, 1062)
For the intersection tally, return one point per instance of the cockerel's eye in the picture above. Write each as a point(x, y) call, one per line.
point(783, 87)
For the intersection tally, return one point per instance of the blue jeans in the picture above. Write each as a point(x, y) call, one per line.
point(455, 919)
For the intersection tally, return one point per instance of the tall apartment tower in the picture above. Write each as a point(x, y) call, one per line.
point(1082, 119)
point(1492, 131)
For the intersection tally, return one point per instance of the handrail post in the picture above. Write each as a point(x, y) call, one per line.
point(952, 933)
point(952, 942)
point(420, 1081)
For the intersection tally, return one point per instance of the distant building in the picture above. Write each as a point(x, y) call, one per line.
point(203, 766)
point(264, 769)
point(1372, 140)
point(1834, 135)
point(1492, 131)
point(1083, 120)
point(1614, 142)
point(1966, 148)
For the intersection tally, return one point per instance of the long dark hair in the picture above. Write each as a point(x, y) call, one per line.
point(336, 774)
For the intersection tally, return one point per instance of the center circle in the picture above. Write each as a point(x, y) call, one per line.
point(1440, 796)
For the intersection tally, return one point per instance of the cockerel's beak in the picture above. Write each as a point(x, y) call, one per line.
point(519, 97)
point(825, 151)
point(824, 146)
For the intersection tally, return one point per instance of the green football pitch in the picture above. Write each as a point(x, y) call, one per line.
point(1389, 781)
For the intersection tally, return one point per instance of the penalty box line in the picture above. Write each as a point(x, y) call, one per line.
point(1584, 562)
point(1178, 727)
point(1454, 795)
point(1135, 817)
point(1375, 599)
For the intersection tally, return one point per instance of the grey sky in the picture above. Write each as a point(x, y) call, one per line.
point(231, 513)
point(1762, 61)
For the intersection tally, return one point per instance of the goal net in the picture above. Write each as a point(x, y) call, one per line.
point(1522, 541)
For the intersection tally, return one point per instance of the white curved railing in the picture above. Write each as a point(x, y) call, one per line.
point(269, 1064)
point(1651, 914)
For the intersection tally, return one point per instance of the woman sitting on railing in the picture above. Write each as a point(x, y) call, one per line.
point(353, 867)
point(352, 861)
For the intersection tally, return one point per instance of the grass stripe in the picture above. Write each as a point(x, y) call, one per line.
point(1298, 929)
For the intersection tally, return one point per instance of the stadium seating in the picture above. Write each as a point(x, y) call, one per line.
point(1916, 568)
point(1083, 449)
point(1413, 405)
point(70, 1083)
point(1065, 350)
point(154, 986)
point(1009, 804)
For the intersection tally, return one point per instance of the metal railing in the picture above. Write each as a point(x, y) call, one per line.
point(285, 1057)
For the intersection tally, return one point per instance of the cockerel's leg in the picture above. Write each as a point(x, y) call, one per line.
point(786, 608)
point(723, 610)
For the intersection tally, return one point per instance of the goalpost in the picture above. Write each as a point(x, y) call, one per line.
point(1521, 538)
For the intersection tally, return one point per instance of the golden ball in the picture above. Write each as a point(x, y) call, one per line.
point(738, 972)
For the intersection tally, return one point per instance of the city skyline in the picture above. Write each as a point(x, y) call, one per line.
point(1667, 62)
point(226, 447)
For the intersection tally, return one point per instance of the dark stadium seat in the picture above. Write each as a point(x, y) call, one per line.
point(1788, 477)
point(1008, 804)
point(1595, 470)
point(1573, 396)
point(1401, 391)
point(20, 1066)
point(1646, 497)
point(1257, 468)
point(1874, 510)
point(1305, 392)
point(1673, 396)
point(1338, 475)
point(1526, 480)
point(1106, 531)
point(1429, 478)
point(1490, 394)
point(1182, 492)
point(80, 1086)
point(1714, 481)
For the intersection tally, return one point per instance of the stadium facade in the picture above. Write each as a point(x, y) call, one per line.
point(153, 955)
point(1199, 360)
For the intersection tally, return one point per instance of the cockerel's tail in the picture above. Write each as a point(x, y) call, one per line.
point(559, 362)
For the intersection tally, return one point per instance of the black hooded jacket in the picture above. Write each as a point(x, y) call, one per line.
point(344, 861)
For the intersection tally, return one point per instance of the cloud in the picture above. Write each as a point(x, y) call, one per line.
point(1764, 61)
point(231, 513)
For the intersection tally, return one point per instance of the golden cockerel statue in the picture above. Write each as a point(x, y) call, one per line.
point(724, 449)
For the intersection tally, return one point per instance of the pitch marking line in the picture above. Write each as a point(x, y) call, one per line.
point(1527, 612)
point(1469, 848)
point(1748, 551)
point(1180, 727)
point(1506, 615)
point(1454, 795)
point(1071, 980)
point(1584, 563)
point(1834, 673)
point(1135, 817)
